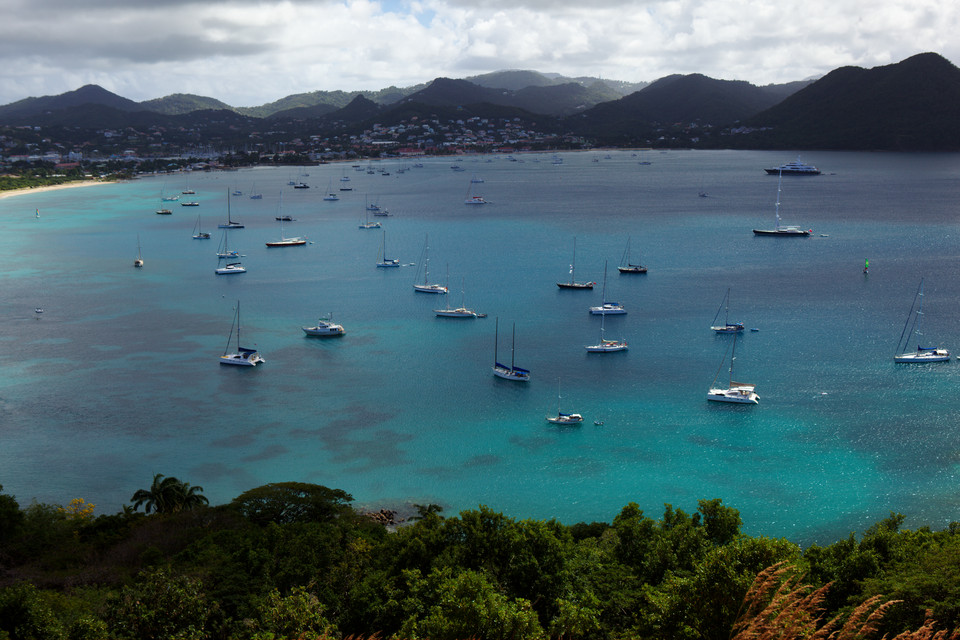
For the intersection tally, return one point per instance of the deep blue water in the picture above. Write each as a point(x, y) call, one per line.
point(118, 379)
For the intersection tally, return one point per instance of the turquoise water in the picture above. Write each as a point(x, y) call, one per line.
point(119, 379)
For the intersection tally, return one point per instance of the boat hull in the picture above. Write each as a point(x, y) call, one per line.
point(241, 360)
point(430, 288)
point(607, 348)
point(455, 313)
point(734, 396)
point(507, 374)
point(608, 310)
point(568, 419)
point(939, 355)
point(576, 285)
point(334, 331)
point(230, 270)
point(293, 242)
point(782, 233)
point(632, 269)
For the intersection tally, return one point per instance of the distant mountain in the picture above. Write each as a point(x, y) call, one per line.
point(447, 92)
point(513, 80)
point(516, 80)
point(180, 103)
point(911, 105)
point(693, 98)
point(87, 94)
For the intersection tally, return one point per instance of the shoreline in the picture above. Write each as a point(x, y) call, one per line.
point(53, 187)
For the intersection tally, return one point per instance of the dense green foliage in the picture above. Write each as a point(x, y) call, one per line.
point(290, 560)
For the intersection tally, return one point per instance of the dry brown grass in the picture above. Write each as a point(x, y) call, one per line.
point(778, 606)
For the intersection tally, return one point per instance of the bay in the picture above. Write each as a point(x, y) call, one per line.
point(119, 379)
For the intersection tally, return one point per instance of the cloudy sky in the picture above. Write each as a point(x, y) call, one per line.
point(249, 52)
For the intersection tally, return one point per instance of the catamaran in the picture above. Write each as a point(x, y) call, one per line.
point(736, 392)
point(242, 357)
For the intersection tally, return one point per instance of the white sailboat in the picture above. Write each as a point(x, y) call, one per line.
point(512, 372)
point(561, 417)
point(459, 312)
point(727, 326)
point(607, 308)
point(628, 267)
point(383, 262)
point(138, 261)
point(296, 241)
point(230, 223)
point(223, 251)
point(914, 321)
point(573, 284)
point(472, 198)
point(325, 328)
point(242, 357)
point(426, 286)
point(366, 224)
point(606, 346)
point(163, 210)
point(331, 194)
point(736, 392)
point(779, 229)
point(199, 234)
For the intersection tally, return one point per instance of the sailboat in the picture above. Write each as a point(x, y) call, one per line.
point(512, 372)
point(736, 392)
point(230, 223)
point(331, 194)
point(382, 260)
point(138, 262)
point(607, 308)
point(325, 328)
point(254, 194)
point(198, 234)
point(344, 179)
point(628, 267)
point(243, 357)
point(426, 286)
point(605, 346)
point(473, 199)
point(459, 312)
point(782, 230)
point(366, 224)
point(223, 251)
point(163, 211)
point(561, 417)
point(727, 326)
point(296, 241)
point(922, 354)
point(573, 284)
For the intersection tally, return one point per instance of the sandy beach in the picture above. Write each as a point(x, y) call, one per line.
point(69, 185)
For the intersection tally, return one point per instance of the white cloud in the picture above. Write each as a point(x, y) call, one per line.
point(248, 52)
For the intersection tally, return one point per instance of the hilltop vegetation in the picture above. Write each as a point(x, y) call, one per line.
point(296, 560)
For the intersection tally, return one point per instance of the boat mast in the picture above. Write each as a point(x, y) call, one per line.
point(573, 263)
point(779, 182)
point(236, 317)
point(513, 341)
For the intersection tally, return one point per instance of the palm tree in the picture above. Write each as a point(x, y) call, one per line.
point(168, 495)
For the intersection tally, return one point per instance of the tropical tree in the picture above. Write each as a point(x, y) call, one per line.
point(168, 495)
